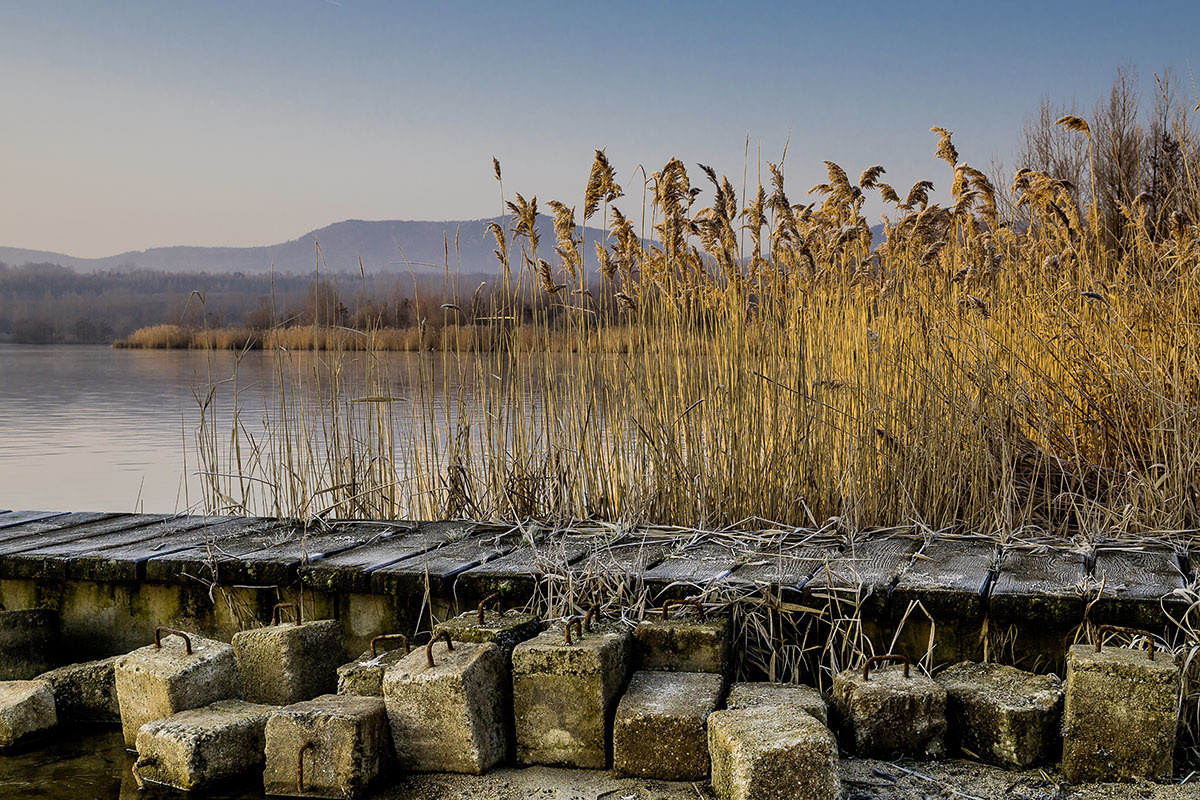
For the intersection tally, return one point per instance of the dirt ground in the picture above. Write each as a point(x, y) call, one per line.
point(861, 780)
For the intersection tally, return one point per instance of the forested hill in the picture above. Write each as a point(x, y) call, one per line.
point(384, 246)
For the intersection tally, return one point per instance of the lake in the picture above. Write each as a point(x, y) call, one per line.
point(89, 428)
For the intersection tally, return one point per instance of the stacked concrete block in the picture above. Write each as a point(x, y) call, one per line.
point(891, 712)
point(289, 662)
point(1121, 714)
point(178, 672)
point(1002, 715)
point(447, 712)
point(86, 691)
point(659, 730)
point(26, 711)
point(756, 694)
point(197, 748)
point(28, 642)
point(364, 675)
point(330, 746)
point(565, 690)
point(693, 643)
point(772, 752)
point(505, 630)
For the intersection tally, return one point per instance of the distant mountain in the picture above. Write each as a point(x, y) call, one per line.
point(383, 247)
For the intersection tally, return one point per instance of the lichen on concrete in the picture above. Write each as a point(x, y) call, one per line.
point(26, 711)
point(682, 644)
point(199, 747)
point(28, 642)
point(86, 691)
point(330, 746)
point(659, 730)
point(772, 753)
point(888, 715)
point(506, 631)
point(753, 694)
point(287, 663)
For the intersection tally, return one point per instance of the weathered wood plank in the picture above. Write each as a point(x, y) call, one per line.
point(126, 561)
point(1137, 585)
point(204, 562)
point(515, 576)
point(949, 577)
point(1045, 584)
point(50, 561)
point(690, 568)
point(65, 528)
point(350, 571)
point(862, 575)
point(438, 568)
point(13, 518)
point(279, 565)
point(787, 567)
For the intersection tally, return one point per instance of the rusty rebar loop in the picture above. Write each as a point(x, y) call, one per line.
point(1132, 631)
point(691, 601)
point(494, 601)
point(578, 629)
point(310, 745)
point(277, 617)
point(187, 640)
point(136, 769)
point(593, 614)
point(391, 637)
point(429, 647)
point(892, 658)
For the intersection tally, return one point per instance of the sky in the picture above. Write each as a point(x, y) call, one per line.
point(126, 125)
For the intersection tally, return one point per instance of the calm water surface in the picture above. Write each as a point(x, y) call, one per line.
point(87, 428)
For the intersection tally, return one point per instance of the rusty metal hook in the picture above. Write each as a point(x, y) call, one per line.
point(494, 601)
point(391, 637)
point(592, 613)
point(1133, 631)
point(429, 647)
point(276, 617)
point(187, 641)
point(578, 629)
point(300, 764)
point(689, 602)
point(894, 658)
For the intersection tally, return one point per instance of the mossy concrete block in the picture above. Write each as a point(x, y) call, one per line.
point(449, 717)
point(888, 715)
point(86, 691)
point(330, 746)
point(153, 682)
point(506, 631)
point(196, 748)
point(682, 644)
point(564, 695)
point(364, 675)
point(1002, 715)
point(763, 693)
point(772, 752)
point(26, 710)
point(659, 731)
point(1120, 714)
point(28, 643)
point(287, 663)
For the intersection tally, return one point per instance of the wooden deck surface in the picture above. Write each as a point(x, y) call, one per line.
point(962, 577)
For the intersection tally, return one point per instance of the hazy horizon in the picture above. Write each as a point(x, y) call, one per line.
point(134, 125)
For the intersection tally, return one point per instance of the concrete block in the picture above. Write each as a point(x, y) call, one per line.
point(506, 631)
point(1120, 714)
point(28, 642)
point(695, 643)
point(173, 675)
point(659, 730)
point(564, 695)
point(772, 753)
point(26, 710)
point(446, 708)
point(893, 712)
point(1002, 715)
point(754, 694)
point(86, 691)
point(364, 675)
point(196, 748)
point(288, 662)
point(330, 746)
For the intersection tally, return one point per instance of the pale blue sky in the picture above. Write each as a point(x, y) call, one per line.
point(127, 125)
